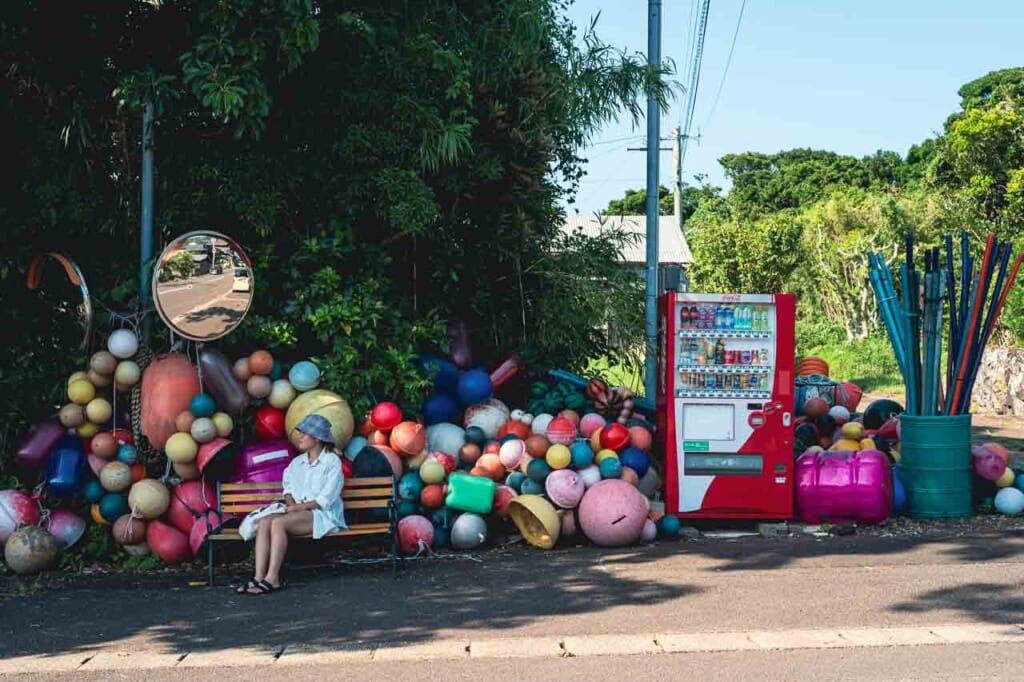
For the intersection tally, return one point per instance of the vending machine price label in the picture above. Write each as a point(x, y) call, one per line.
point(696, 445)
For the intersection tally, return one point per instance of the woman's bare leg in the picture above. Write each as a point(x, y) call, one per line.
point(293, 523)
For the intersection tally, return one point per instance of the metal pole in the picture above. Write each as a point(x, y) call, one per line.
point(653, 133)
point(146, 228)
point(677, 161)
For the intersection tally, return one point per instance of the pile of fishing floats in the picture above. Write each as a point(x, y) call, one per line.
point(915, 321)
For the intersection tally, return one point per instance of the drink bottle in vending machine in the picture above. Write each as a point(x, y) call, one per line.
point(725, 404)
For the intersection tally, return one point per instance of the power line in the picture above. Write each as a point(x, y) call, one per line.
point(619, 139)
point(728, 61)
point(698, 56)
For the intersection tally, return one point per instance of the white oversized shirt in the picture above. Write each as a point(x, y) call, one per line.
point(318, 482)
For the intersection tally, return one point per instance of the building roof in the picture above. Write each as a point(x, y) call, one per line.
point(672, 246)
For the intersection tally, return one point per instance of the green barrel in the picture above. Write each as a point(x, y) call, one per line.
point(935, 459)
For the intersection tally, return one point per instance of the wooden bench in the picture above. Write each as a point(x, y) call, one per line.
point(357, 493)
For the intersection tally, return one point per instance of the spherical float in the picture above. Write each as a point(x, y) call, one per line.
point(612, 513)
point(149, 498)
point(415, 533)
point(410, 486)
point(241, 369)
point(103, 362)
point(259, 386)
point(181, 447)
point(614, 437)
point(503, 496)
point(270, 423)
point(475, 435)
point(431, 471)
point(610, 467)
point(113, 505)
point(565, 488)
point(516, 428)
point(636, 459)
point(304, 376)
point(385, 416)
point(99, 380)
point(879, 411)
point(469, 454)
point(72, 416)
point(327, 404)
point(116, 477)
point(669, 526)
point(1006, 479)
point(202, 405)
point(93, 490)
point(561, 430)
point(541, 423)
point(98, 411)
point(515, 480)
point(432, 496)
point(167, 542)
point(511, 453)
point(445, 438)
point(537, 470)
point(1009, 501)
point(474, 386)
point(183, 422)
point(852, 431)
point(122, 343)
point(30, 550)
point(81, 391)
point(87, 430)
point(224, 424)
point(537, 445)
point(127, 454)
point(989, 466)
point(558, 456)
point(590, 475)
point(129, 530)
point(815, 407)
point(531, 487)
point(840, 414)
point(649, 532)
point(489, 418)
point(998, 449)
point(127, 373)
point(491, 467)
point(282, 393)
point(469, 530)
point(408, 438)
point(16, 509)
point(630, 476)
point(536, 519)
point(439, 408)
point(203, 430)
point(66, 526)
point(261, 363)
point(188, 502)
point(590, 423)
point(602, 455)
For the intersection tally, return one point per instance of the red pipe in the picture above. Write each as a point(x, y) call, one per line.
point(971, 328)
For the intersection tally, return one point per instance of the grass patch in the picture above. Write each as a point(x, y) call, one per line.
point(869, 364)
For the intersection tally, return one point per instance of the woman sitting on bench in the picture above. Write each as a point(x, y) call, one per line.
point(312, 497)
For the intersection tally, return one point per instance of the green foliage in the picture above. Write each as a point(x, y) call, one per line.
point(992, 88)
point(389, 165)
point(869, 363)
point(179, 266)
point(634, 201)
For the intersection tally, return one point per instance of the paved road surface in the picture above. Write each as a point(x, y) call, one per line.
point(436, 607)
point(203, 305)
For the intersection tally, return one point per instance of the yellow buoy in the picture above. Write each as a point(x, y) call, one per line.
point(853, 431)
point(87, 430)
point(603, 455)
point(181, 447)
point(1007, 479)
point(327, 404)
point(81, 391)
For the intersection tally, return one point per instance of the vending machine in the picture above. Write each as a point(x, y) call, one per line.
point(725, 404)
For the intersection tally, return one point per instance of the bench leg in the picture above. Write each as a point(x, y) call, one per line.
point(209, 564)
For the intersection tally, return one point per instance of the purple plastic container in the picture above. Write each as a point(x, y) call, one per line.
point(263, 462)
point(37, 445)
point(844, 487)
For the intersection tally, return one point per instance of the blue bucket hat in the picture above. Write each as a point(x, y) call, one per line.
point(318, 427)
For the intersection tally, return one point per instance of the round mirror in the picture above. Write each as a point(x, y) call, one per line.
point(202, 285)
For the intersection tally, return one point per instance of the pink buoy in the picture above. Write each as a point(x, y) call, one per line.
point(415, 533)
point(188, 502)
point(565, 488)
point(649, 532)
point(988, 465)
point(67, 526)
point(167, 542)
point(612, 513)
point(16, 509)
point(590, 423)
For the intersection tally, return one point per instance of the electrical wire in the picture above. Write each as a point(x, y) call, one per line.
point(618, 139)
point(728, 62)
point(698, 56)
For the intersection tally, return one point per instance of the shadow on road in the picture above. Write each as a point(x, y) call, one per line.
point(989, 602)
point(502, 590)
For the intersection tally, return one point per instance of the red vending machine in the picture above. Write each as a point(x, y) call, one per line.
point(725, 404)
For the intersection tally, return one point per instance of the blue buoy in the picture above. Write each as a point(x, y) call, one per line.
point(202, 405)
point(582, 454)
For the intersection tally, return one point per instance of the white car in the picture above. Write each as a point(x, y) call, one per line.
point(242, 280)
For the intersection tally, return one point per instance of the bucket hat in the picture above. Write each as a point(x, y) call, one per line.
point(317, 426)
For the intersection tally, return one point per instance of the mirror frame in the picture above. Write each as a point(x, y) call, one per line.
point(171, 249)
point(34, 279)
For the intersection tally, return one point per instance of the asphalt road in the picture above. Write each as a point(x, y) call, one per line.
point(203, 306)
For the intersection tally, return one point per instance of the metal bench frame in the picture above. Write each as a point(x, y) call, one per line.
point(358, 493)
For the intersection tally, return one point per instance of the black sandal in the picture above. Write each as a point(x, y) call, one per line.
point(244, 589)
point(266, 588)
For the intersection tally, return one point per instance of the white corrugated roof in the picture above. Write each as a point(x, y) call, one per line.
point(672, 246)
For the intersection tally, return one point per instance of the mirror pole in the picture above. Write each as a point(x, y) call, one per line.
point(146, 228)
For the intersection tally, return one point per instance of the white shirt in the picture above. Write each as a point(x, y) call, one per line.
point(318, 482)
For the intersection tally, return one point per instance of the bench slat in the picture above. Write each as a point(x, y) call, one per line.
point(366, 482)
point(368, 504)
point(272, 485)
point(366, 529)
point(230, 498)
point(365, 492)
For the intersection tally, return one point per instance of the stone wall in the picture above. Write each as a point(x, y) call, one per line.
point(999, 388)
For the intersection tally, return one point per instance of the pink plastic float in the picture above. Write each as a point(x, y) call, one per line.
point(612, 513)
point(844, 487)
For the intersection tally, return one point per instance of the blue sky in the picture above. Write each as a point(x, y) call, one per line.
point(851, 76)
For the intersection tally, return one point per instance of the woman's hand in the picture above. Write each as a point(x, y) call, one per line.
point(305, 506)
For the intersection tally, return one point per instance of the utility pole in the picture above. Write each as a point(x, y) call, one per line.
point(146, 227)
point(653, 133)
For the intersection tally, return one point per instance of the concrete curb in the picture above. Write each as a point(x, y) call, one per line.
point(521, 647)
